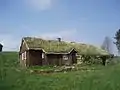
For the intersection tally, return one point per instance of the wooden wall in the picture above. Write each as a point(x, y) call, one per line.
point(35, 57)
point(57, 59)
point(54, 59)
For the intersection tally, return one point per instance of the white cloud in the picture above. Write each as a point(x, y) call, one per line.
point(40, 4)
point(65, 34)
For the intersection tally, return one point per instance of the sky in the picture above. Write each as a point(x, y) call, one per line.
point(85, 21)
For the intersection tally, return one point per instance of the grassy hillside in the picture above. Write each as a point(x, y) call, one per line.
point(13, 78)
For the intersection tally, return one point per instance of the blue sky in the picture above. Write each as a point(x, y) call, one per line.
point(86, 21)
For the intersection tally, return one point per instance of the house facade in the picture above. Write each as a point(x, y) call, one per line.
point(36, 51)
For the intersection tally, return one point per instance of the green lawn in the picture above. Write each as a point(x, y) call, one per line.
point(13, 78)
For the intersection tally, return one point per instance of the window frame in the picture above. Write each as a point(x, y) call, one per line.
point(24, 55)
point(43, 55)
point(65, 57)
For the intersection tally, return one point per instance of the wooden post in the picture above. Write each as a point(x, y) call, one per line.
point(46, 60)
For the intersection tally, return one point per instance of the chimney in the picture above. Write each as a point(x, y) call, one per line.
point(59, 39)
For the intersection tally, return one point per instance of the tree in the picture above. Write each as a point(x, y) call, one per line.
point(117, 38)
point(107, 45)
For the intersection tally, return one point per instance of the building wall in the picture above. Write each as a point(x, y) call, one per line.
point(23, 49)
point(66, 59)
point(28, 59)
point(61, 59)
point(54, 59)
point(45, 60)
point(74, 58)
point(35, 57)
point(24, 61)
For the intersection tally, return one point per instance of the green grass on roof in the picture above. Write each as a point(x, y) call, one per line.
point(55, 46)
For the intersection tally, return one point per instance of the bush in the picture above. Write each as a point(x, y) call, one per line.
point(87, 59)
point(113, 61)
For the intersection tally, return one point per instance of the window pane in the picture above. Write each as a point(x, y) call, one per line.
point(43, 55)
point(25, 55)
point(65, 57)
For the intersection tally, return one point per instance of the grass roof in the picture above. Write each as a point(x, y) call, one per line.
point(63, 47)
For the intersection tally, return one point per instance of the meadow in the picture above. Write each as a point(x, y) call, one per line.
point(13, 77)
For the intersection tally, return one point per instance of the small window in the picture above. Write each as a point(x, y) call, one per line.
point(65, 57)
point(43, 55)
point(24, 56)
point(76, 54)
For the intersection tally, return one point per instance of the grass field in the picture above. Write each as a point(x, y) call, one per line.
point(13, 78)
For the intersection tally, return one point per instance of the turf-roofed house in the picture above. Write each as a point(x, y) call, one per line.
point(37, 51)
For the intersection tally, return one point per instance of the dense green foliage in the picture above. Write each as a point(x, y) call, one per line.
point(55, 46)
point(12, 77)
